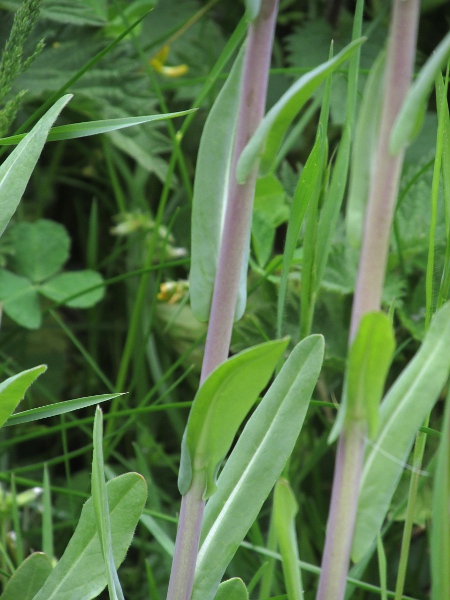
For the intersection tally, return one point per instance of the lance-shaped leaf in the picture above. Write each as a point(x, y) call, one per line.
point(80, 574)
point(368, 363)
point(88, 128)
point(18, 167)
point(440, 532)
point(410, 119)
point(285, 508)
point(264, 144)
point(13, 389)
point(402, 412)
point(28, 579)
point(210, 195)
point(219, 407)
point(233, 589)
point(255, 464)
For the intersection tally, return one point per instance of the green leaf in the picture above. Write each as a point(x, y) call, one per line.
point(369, 359)
point(60, 408)
point(220, 406)
point(29, 577)
point(440, 525)
point(88, 128)
point(210, 196)
point(18, 167)
point(72, 285)
point(233, 589)
point(80, 574)
point(252, 8)
point(410, 118)
point(285, 508)
point(267, 139)
point(255, 464)
point(363, 151)
point(13, 389)
point(40, 248)
point(20, 300)
point(402, 412)
point(101, 508)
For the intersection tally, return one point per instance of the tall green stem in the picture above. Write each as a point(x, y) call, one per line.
point(369, 286)
point(234, 246)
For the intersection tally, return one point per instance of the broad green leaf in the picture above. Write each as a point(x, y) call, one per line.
point(410, 117)
point(72, 285)
point(220, 406)
point(18, 167)
point(13, 389)
point(60, 408)
point(402, 412)
point(285, 508)
point(369, 359)
point(101, 509)
point(210, 195)
point(267, 138)
point(255, 464)
point(40, 248)
point(363, 151)
point(29, 577)
point(440, 525)
point(19, 299)
point(252, 8)
point(233, 589)
point(80, 574)
point(88, 128)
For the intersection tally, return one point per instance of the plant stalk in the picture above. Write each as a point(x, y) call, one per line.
point(383, 193)
point(234, 246)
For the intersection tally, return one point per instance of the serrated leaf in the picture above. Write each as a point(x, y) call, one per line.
point(80, 573)
point(29, 577)
point(71, 285)
point(402, 412)
point(18, 167)
point(210, 195)
point(255, 464)
point(40, 248)
point(233, 589)
point(410, 117)
point(19, 299)
point(13, 389)
point(264, 144)
point(219, 408)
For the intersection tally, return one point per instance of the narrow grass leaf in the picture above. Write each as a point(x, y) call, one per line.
point(210, 194)
point(60, 408)
point(440, 529)
point(29, 577)
point(80, 574)
point(266, 141)
point(410, 118)
point(402, 412)
point(101, 509)
point(285, 508)
point(368, 363)
point(362, 152)
point(13, 389)
point(47, 521)
point(233, 589)
point(18, 167)
point(255, 464)
point(158, 533)
point(88, 128)
point(382, 567)
point(219, 408)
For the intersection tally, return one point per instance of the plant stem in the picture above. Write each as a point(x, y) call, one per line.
point(238, 217)
point(369, 286)
point(234, 245)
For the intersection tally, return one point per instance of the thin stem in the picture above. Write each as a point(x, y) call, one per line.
point(369, 286)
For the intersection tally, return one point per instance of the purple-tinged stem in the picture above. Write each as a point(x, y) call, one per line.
point(235, 239)
point(238, 216)
point(383, 193)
